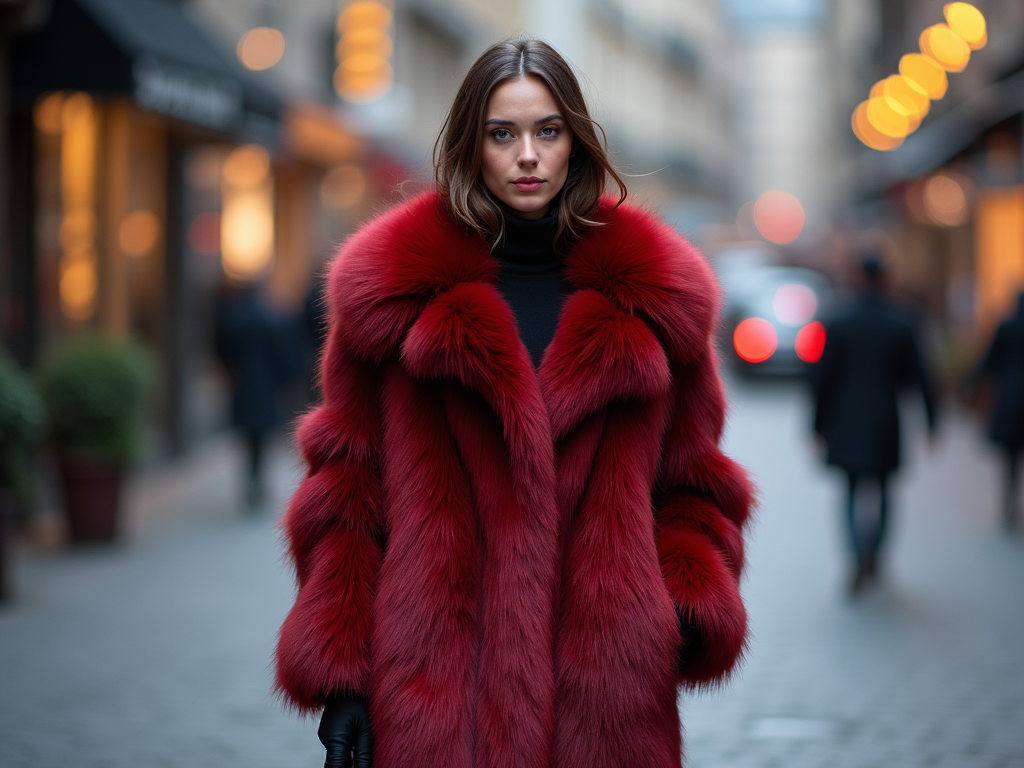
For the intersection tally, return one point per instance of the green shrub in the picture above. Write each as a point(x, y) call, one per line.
point(21, 420)
point(95, 390)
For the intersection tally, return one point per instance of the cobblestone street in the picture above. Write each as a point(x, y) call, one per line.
point(157, 653)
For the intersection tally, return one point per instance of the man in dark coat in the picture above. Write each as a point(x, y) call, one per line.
point(1004, 363)
point(871, 353)
point(250, 342)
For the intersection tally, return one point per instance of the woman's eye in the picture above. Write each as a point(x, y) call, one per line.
point(549, 131)
point(502, 135)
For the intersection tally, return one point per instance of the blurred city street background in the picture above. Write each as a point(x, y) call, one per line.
point(174, 174)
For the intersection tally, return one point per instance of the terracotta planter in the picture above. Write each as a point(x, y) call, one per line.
point(92, 496)
point(8, 518)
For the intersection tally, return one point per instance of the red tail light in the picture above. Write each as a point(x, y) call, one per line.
point(755, 340)
point(810, 342)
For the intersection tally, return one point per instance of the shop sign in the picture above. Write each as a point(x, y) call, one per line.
point(187, 94)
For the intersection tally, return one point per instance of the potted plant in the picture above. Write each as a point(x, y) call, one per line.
point(95, 389)
point(21, 418)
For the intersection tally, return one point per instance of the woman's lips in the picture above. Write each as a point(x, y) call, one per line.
point(528, 185)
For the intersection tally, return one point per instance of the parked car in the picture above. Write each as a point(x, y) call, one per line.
point(773, 321)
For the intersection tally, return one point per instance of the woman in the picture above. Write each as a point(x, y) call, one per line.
point(517, 534)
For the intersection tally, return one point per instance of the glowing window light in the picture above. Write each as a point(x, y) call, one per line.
point(755, 340)
point(138, 233)
point(247, 235)
point(246, 166)
point(260, 48)
point(247, 215)
point(946, 47)
point(926, 73)
point(77, 286)
point(46, 115)
point(794, 304)
point(867, 133)
point(779, 217)
point(945, 200)
point(810, 342)
point(968, 22)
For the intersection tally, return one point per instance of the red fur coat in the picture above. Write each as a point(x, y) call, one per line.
point(496, 555)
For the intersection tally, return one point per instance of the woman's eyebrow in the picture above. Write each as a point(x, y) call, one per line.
point(500, 121)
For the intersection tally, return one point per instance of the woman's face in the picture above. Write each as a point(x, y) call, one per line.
point(526, 146)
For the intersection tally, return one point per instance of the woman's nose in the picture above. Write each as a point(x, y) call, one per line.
point(527, 153)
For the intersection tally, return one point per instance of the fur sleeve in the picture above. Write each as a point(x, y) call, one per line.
point(334, 535)
point(702, 506)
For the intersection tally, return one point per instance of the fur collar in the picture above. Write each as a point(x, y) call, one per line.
point(414, 283)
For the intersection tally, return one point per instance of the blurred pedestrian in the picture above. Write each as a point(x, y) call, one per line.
point(464, 597)
point(871, 353)
point(251, 343)
point(1004, 364)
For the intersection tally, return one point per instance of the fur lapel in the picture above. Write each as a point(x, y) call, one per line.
point(413, 283)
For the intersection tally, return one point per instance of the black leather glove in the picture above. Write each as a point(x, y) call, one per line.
point(345, 731)
point(693, 638)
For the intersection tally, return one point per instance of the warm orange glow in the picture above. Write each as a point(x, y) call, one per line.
point(367, 40)
point(945, 200)
point(946, 47)
point(810, 342)
point(364, 13)
point(77, 287)
point(246, 166)
point(867, 133)
point(362, 87)
point(78, 280)
point(904, 95)
point(343, 186)
point(47, 114)
point(999, 253)
point(247, 234)
point(260, 48)
point(779, 217)
point(887, 120)
point(968, 22)
point(364, 72)
point(925, 72)
point(755, 340)
point(138, 233)
point(794, 304)
point(247, 214)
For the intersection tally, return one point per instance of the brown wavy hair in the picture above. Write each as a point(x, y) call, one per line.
point(458, 150)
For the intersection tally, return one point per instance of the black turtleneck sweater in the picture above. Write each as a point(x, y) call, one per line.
point(531, 278)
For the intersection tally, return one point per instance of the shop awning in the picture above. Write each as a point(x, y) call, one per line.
point(151, 51)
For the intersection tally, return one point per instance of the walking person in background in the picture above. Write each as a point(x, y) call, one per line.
point(871, 353)
point(1004, 365)
point(517, 535)
point(250, 343)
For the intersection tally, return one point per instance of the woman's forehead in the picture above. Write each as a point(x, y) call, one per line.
point(523, 99)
